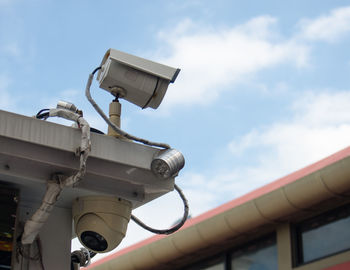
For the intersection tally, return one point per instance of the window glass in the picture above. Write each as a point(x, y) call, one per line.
point(220, 266)
point(324, 235)
point(214, 263)
point(260, 255)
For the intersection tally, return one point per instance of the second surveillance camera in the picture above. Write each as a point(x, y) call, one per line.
point(138, 80)
point(100, 222)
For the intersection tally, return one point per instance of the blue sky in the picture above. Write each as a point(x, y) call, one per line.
point(263, 88)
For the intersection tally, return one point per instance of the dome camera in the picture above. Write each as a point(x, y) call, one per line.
point(100, 222)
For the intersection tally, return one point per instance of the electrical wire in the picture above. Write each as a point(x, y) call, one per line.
point(95, 130)
point(43, 110)
point(43, 114)
point(95, 70)
point(112, 125)
point(92, 254)
point(56, 185)
point(172, 229)
point(81, 257)
point(150, 143)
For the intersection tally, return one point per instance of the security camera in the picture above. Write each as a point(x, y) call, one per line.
point(135, 79)
point(100, 222)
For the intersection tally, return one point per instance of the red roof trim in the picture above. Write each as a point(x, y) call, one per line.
point(245, 198)
point(342, 266)
point(271, 186)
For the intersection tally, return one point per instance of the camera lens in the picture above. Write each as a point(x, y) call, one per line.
point(94, 241)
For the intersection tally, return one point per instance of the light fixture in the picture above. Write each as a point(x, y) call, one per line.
point(168, 163)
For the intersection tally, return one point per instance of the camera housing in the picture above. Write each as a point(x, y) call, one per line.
point(100, 222)
point(167, 163)
point(138, 80)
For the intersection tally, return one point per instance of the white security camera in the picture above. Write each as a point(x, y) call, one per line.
point(135, 79)
point(100, 222)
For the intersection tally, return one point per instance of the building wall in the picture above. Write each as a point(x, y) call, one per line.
point(327, 242)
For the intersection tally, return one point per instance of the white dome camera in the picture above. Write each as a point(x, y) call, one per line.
point(100, 222)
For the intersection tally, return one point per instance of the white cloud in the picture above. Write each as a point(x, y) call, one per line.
point(215, 59)
point(320, 126)
point(329, 27)
point(323, 109)
point(246, 142)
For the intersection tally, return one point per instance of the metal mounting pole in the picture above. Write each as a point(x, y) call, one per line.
point(114, 116)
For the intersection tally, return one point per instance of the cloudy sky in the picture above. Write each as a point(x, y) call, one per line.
point(263, 88)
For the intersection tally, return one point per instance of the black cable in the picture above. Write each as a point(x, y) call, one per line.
point(172, 229)
point(95, 70)
point(92, 254)
point(39, 113)
point(95, 130)
point(74, 258)
point(80, 257)
point(43, 110)
point(43, 115)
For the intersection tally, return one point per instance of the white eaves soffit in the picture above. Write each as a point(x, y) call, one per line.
point(32, 150)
